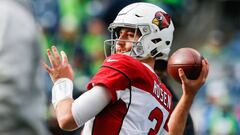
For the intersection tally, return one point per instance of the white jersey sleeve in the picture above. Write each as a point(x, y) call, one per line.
point(90, 104)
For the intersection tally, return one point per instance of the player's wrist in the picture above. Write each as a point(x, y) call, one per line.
point(62, 89)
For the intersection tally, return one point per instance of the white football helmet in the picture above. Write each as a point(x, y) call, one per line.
point(155, 27)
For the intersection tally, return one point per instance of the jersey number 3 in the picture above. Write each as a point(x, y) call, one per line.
point(156, 114)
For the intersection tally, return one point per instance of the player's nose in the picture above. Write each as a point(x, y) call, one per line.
point(122, 40)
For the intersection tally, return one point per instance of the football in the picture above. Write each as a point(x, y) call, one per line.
point(189, 59)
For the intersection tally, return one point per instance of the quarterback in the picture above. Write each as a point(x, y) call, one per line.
point(126, 97)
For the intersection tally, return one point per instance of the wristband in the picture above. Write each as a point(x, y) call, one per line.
point(61, 90)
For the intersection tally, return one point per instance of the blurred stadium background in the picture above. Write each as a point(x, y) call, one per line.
point(79, 27)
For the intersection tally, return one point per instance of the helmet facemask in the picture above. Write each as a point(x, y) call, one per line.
point(137, 47)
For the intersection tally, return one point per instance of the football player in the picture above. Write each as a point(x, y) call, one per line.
point(126, 96)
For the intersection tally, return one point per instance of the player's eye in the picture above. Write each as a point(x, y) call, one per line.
point(130, 35)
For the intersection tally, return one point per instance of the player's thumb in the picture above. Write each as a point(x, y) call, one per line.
point(182, 75)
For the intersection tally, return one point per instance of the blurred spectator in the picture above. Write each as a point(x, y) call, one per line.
point(92, 44)
point(233, 48)
point(214, 45)
point(22, 97)
point(216, 106)
point(48, 16)
point(71, 16)
point(81, 69)
point(214, 50)
point(219, 117)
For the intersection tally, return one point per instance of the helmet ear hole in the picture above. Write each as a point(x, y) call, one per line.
point(156, 40)
point(167, 42)
point(154, 52)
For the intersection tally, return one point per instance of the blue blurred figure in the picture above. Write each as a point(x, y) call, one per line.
point(22, 97)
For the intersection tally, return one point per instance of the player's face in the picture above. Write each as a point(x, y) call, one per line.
point(126, 35)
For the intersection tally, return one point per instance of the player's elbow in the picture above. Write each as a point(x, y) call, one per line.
point(67, 123)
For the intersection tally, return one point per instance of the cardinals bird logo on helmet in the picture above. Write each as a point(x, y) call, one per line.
point(162, 20)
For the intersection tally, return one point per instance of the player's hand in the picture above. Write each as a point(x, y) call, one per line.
point(191, 87)
point(60, 68)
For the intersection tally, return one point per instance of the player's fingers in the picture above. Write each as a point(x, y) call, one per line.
point(64, 58)
point(51, 58)
point(182, 75)
point(56, 54)
point(45, 66)
point(204, 72)
point(205, 68)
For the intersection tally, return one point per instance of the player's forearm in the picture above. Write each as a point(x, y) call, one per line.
point(179, 115)
point(72, 114)
point(64, 115)
point(62, 102)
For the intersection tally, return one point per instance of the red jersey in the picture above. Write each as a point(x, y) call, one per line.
point(140, 104)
